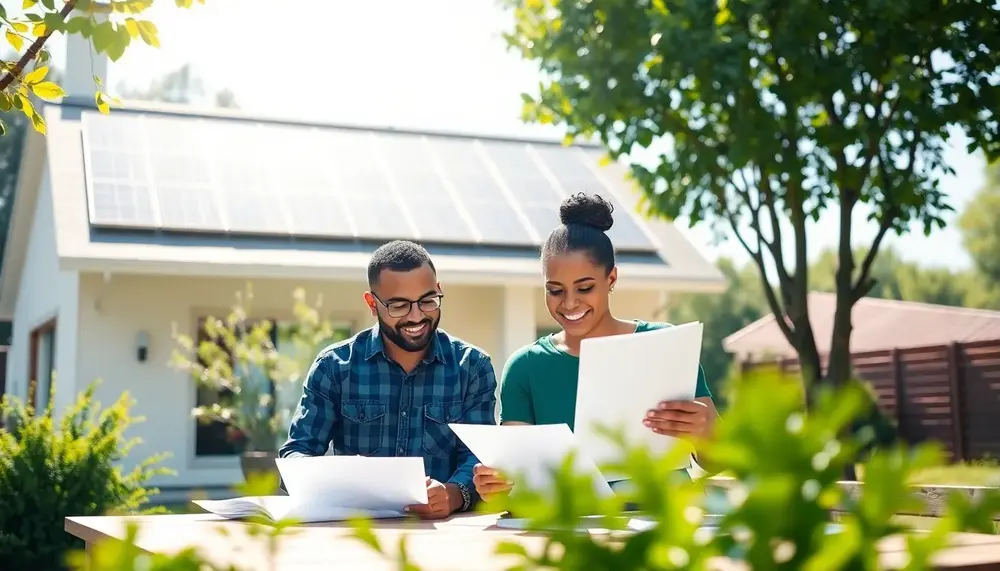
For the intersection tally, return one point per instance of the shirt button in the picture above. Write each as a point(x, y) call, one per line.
point(404, 414)
point(400, 450)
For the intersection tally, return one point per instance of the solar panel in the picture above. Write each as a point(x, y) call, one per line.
point(181, 173)
point(242, 176)
point(489, 209)
point(416, 175)
point(529, 185)
point(574, 168)
point(218, 175)
point(119, 184)
point(300, 160)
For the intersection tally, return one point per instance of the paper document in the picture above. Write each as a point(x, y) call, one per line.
point(622, 377)
point(529, 452)
point(331, 488)
point(275, 508)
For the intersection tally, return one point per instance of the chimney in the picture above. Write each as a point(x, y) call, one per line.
point(82, 64)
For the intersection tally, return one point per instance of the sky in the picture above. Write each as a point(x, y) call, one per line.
point(432, 64)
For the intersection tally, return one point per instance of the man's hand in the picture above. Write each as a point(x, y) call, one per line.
point(680, 419)
point(441, 501)
point(489, 482)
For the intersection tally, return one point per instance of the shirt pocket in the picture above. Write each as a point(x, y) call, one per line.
point(363, 426)
point(439, 440)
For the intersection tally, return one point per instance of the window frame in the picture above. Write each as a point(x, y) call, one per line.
point(43, 330)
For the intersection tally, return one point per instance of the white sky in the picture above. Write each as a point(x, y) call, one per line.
point(438, 64)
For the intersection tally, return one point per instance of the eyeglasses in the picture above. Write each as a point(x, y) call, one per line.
point(401, 307)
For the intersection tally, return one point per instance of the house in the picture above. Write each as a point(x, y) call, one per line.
point(878, 325)
point(152, 217)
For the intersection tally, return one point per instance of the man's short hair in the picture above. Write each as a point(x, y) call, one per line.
point(397, 256)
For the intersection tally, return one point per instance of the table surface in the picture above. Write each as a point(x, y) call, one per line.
point(462, 542)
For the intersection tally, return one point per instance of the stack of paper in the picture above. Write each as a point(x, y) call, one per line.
point(334, 488)
point(622, 377)
point(530, 452)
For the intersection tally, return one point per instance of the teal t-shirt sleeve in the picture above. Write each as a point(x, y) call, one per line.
point(515, 395)
point(701, 389)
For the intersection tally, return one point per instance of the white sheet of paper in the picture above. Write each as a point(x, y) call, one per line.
point(623, 376)
point(281, 507)
point(529, 451)
point(355, 482)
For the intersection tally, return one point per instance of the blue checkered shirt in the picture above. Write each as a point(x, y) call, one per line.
point(359, 401)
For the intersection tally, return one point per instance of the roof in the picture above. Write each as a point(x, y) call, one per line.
point(878, 325)
point(174, 190)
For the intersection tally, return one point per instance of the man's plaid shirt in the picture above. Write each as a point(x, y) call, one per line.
point(359, 401)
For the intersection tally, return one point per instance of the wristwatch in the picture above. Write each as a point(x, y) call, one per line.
point(466, 497)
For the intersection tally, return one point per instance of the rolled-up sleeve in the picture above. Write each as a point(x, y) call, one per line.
point(311, 428)
point(479, 408)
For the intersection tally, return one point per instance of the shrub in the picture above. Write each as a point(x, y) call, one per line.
point(51, 469)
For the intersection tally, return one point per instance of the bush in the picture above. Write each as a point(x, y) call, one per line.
point(51, 469)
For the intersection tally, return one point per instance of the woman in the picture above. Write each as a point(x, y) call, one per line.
point(539, 382)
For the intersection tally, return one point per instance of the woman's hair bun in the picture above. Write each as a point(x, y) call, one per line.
point(588, 210)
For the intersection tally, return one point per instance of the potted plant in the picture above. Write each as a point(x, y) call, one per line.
point(240, 359)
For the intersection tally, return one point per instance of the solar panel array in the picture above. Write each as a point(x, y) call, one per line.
point(241, 177)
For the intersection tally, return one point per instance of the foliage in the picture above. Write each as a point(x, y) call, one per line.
point(980, 226)
point(739, 305)
point(110, 25)
point(766, 114)
point(238, 359)
point(53, 468)
point(786, 462)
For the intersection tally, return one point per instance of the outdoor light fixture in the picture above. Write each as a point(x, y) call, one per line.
point(142, 345)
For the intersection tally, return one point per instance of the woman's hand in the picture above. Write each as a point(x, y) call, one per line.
point(681, 419)
point(489, 482)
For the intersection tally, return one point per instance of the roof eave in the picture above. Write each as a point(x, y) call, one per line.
point(459, 270)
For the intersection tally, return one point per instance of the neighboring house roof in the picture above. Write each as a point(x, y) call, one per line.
point(878, 325)
point(169, 189)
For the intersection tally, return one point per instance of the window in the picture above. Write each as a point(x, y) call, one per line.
point(215, 438)
point(42, 366)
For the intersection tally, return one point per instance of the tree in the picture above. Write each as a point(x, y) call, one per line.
point(767, 113)
point(896, 278)
point(179, 86)
point(110, 25)
point(980, 226)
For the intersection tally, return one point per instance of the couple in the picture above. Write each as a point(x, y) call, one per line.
point(392, 390)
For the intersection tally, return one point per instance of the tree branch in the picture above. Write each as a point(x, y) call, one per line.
point(33, 49)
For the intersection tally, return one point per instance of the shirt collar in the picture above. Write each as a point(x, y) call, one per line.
point(376, 346)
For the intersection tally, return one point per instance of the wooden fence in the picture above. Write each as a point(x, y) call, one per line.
point(947, 393)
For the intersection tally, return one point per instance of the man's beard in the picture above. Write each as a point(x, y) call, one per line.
point(404, 341)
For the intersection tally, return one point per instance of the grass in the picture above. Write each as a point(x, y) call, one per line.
point(959, 475)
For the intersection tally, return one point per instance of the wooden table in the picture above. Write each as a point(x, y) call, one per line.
point(463, 542)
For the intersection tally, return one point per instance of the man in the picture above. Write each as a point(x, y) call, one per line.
point(391, 390)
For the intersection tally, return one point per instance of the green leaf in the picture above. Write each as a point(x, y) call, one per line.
point(49, 4)
point(14, 40)
point(103, 36)
point(79, 25)
point(5, 102)
point(133, 27)
point(36, 75)
point(48, 90)
point(38, 122)
point(102, 104)
point(119, 44)
point(149, 33)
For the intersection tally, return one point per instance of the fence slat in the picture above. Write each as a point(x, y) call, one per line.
point(949, 393)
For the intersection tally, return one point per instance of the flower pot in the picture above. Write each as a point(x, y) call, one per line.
point(255, 461)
